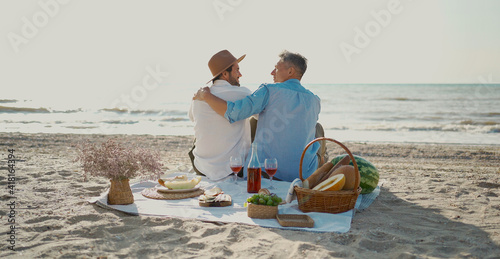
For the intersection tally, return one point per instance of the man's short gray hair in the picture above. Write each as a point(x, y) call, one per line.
point(296, 60)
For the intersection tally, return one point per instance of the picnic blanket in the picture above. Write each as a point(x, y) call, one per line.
point(189, 208)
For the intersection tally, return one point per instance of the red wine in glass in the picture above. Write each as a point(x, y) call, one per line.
point(236, 169)
point(271, 166)
point(271, 171)
point(235, 163)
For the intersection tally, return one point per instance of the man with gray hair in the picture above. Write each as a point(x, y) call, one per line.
point(288, 114)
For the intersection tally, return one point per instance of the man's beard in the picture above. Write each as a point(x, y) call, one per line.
point(233, 81)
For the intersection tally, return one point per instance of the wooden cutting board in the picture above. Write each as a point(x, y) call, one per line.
point(224, 203)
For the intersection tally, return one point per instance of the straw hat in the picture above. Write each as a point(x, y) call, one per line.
point(222, 61)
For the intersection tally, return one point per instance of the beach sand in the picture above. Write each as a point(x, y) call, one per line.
point(436, 201)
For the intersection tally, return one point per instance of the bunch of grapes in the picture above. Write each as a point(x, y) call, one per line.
point(265, 199)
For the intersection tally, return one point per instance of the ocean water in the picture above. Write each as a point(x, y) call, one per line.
point(433, 113)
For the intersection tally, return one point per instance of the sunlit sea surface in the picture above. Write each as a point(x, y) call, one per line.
point(465, 114)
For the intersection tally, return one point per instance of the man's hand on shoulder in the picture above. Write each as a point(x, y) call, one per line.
point(201, 94)
point(216, 103)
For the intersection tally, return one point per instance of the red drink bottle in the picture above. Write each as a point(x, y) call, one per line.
point(253, 171)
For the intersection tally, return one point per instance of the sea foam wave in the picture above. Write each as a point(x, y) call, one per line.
point(7, 109)
point(8, 101)
point(143, 112)
point(13, 109)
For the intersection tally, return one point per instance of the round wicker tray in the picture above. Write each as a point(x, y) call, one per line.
point(153, 193)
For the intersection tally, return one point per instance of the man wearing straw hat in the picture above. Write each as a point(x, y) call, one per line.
point(288, 115)
point(217, 139)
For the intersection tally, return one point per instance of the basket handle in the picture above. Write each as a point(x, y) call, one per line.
point(341, 145)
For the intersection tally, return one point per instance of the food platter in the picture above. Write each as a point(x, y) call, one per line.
point(164, 189)
point(216, 203)
point(215, 197)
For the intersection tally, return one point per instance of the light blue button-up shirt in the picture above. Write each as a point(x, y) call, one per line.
point(288, 114)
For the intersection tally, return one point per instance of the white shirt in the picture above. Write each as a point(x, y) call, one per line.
point(217, 139)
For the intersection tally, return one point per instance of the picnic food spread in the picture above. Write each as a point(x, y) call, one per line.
point(332, 188)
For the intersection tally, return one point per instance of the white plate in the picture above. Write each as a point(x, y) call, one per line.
point(161, 188)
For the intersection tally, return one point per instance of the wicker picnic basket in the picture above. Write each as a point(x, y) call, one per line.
point(261, 211)
point(327, 201)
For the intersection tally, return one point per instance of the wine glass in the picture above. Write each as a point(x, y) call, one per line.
point(271, 166)
point(235, 163)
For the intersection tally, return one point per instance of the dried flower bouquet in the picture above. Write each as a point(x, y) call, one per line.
point(115, 161)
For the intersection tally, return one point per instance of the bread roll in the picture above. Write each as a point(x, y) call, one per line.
point(314, 178)
point(344, 161)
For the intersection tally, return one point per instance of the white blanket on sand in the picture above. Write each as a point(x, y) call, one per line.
point(189, 208)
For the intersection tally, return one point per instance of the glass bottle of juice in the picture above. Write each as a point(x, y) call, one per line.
point(253, 171)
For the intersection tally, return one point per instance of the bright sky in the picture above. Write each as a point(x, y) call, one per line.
point(95, 49)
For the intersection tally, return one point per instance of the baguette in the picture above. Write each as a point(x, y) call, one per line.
point(313, 179)
point(344, 161)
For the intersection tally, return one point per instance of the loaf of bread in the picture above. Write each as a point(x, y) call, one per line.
point(315, 177)
point(344, 161)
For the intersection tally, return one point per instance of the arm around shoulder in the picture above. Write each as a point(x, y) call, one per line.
point(216, 103)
